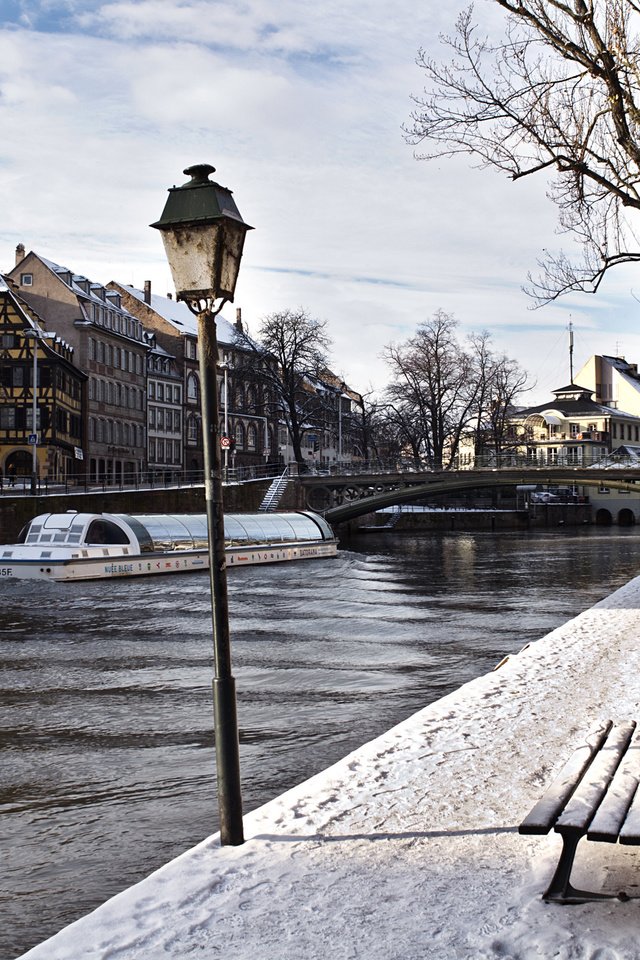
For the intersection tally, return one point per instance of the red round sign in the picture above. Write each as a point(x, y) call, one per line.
point(225, 442)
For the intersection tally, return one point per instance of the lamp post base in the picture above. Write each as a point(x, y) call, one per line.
point(227, 762)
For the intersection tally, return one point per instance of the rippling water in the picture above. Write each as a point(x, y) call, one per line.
point(106, 761)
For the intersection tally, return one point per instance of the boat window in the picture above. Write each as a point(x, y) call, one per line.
point(31, 529)
point(103, 531)
point(8, 553)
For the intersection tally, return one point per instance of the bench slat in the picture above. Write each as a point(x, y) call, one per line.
point(588, 795)
point(545, 812)
point(612, 811)
point(630, 830)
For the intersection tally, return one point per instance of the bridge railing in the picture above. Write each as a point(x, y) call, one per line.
point(150, 480)
point(506, 461)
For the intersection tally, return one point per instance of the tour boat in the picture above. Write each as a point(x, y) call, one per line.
point(87, 546)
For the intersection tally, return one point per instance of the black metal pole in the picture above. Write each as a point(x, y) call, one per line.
point(224, 695)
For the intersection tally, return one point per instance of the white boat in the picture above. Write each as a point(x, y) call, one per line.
point(87, 546)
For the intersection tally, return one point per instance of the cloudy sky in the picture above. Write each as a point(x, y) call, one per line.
point(300, 108)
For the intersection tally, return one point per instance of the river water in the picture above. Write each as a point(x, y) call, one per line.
point(106, 744)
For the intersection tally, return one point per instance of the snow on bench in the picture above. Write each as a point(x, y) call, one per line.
point(594, 795)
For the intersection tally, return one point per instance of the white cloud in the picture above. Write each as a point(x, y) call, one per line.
point(300, 108)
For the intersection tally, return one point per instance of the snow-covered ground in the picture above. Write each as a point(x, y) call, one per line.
point(408, 848)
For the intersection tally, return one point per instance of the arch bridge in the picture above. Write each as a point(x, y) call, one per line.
point(343, 498)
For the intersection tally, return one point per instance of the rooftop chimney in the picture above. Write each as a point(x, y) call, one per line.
point(19, 253)
point(239, 320)
point(147, 292)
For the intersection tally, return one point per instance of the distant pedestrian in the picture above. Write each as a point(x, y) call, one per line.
point(11, 473)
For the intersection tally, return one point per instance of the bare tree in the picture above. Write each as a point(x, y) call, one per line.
point(501, 381)
point(445, 391)
point(296, 346)
point(559, 92)
point(369, 425)
point(433, 389)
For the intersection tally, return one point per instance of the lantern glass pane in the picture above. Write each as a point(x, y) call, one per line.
point(193, 253)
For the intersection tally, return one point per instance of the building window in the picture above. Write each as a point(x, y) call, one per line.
point(26, 279)
point(192, 429)
point(7, 418)
point(252, 437)
point(192, 387)
point(239, 436)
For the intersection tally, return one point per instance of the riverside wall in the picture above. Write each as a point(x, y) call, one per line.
point(541, 516)
point(16, 511)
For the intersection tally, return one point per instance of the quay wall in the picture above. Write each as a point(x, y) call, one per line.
point(16, 511)
point(542, 516)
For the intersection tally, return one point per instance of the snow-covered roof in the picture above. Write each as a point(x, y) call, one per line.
point(177, 313)
point(574, 408)
point(82, 286)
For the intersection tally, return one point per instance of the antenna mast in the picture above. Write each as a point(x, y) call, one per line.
point(570, 352)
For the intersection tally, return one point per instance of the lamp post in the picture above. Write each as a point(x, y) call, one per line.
point(225, 369)
point(36, 334)
point(203, 235)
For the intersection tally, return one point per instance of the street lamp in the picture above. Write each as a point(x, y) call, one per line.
point(225, 369)
point(203, 235)
point(37, 334)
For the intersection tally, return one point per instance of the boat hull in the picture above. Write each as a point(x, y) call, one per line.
point(107, 568)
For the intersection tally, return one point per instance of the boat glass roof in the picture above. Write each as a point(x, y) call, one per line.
point(185, 531)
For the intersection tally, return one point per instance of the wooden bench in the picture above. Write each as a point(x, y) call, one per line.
point(594, 795)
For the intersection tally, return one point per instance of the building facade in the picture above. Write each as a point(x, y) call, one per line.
point(165, 450)
point(57, 437)
point(110, 345)
point(244, 410)
point(573, 430)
